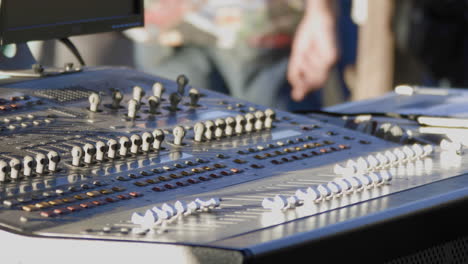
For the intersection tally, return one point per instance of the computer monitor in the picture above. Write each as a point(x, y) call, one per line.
point(26, 20)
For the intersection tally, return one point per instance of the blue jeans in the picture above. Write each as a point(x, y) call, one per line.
point(252, 74)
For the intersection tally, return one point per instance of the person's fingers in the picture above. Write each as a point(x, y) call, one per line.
point(298, 85)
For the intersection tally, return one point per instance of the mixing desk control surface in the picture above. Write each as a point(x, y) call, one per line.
point(114, 154)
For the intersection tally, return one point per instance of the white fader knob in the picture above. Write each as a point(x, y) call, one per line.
point(101, 150)
point(240, 123)
point(230, 126)
point(125, 144)
point(94, 101)
point(113, 147)
point(198, 129)
point(132, 108)
point(250, 120)
point(147, 139)
point(4, 170)
point(270, 113)
point(158, 89)
point(220, 127)
point(260, 119)
point(54, 159)
point(28, 165)
point(41, 163)
point(136, 143)
point(194, 95)
point(179, 134)
point(15, 168)
point(77, 154)
point(138, 93)
point(159, 136)
point(209, 129)
point(89, 153)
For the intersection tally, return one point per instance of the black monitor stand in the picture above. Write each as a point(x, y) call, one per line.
point(17, 62)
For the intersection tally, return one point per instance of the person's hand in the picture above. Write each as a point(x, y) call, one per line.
point(314, 51)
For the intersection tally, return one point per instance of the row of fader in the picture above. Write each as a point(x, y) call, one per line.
point(393, 157)
point(168, 212)
point(40, 164)
point(231, 126)
point(322, 192)
point(101, 151)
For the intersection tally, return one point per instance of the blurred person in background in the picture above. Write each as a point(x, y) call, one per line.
point(271, 52)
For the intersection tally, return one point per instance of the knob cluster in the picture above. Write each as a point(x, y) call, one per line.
point(386, 159)
point(230, 126)
point(29, 166)
point(154, 100)
point(338, 187)
point(451, 146)
point(166, 213)
point(102, 151)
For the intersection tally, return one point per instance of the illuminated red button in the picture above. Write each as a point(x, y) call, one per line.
point(74, 208)
point(99, 203)
point(342, 146)
point(87, 205)
point(15, 106)
point(61, 211)
point(135, 194)
point(324, 150)
point(123, 197)
point(48, 214)
point(235, 170)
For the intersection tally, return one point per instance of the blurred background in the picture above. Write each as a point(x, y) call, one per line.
point(247, 48)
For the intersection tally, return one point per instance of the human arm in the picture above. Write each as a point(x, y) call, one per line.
point(314, 49)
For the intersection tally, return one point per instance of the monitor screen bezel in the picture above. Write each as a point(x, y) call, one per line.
point(59, 31)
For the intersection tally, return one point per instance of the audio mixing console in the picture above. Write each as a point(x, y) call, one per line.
point(115, 155)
